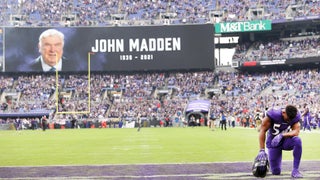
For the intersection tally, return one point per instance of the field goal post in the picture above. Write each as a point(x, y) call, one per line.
point(89, 92)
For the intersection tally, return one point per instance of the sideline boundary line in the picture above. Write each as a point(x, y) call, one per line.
point(215, 170)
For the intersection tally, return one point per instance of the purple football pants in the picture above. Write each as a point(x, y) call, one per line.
point(275, 154)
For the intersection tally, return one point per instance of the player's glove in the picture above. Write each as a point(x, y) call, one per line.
point(277, 140)
point(260, 165)
point(262, 154)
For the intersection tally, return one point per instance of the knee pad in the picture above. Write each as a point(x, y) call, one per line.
point(297, 141)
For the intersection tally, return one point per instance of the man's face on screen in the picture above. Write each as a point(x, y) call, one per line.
point(51, 49)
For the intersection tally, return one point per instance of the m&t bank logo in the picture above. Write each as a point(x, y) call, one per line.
point(229, 27)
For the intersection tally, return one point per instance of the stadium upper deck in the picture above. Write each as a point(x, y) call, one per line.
point(130, 12)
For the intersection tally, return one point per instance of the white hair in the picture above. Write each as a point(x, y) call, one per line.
point(51, 32)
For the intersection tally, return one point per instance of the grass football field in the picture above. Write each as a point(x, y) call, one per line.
point(128, 146)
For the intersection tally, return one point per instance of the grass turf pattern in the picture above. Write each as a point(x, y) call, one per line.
point(127, 146)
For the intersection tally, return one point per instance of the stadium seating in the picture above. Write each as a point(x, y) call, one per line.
point(126, 12)
point(240, 92)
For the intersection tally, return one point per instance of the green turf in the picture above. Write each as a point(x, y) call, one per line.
point(127, 146)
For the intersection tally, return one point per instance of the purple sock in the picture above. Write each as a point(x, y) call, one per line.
point(297, 152)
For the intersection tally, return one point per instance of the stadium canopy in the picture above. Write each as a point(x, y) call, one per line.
point(198, 108)
point(31, 114)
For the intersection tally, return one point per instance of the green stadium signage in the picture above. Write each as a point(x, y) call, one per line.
point(246, 26)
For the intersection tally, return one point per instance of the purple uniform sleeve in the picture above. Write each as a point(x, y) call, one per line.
point(278, 124)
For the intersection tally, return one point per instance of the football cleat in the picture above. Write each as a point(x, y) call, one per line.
point(296, 174)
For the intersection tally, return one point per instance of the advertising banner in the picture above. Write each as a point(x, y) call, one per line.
point(245, 26)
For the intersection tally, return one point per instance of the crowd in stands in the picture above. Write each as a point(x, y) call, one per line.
point(286, 48)
point(125, 97)
point(241, 94)
point(104, 12)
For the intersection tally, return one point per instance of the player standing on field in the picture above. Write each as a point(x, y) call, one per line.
point(44, 122)
point(139, 122)
point(258, 119)
point(306, 118)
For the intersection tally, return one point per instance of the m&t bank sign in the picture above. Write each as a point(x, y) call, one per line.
point(247, 26)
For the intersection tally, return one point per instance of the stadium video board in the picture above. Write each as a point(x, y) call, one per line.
point(130, 48)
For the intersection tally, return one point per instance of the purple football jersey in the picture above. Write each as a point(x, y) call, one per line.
point(278, 124)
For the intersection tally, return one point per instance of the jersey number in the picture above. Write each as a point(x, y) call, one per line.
point(276, 130)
